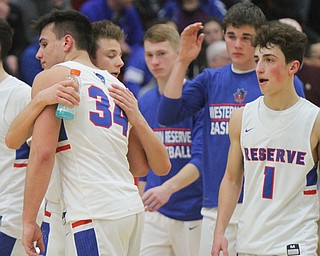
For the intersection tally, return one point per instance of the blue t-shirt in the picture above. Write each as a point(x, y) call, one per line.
point(219, 91)
point(185, 204)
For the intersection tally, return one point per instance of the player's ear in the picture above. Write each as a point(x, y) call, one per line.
point(294, 67)
point(68, 41)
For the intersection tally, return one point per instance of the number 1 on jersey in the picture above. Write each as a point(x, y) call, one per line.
point(268, 183)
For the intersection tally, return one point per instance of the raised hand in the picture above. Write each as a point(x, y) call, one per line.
point(191, 42)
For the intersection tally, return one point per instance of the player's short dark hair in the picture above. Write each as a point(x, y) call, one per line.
point(244, 14)
point(105, 29)
point(67, 22)
point(290, 41)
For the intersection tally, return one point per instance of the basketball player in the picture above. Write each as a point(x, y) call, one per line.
point(106, 52)
point(173, 202)
point(15, 95)
point(101, 195)
point(219, 91)
point(275, 150)
point(107, 38)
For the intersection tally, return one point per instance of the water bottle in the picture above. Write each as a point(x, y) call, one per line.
point(63, 111)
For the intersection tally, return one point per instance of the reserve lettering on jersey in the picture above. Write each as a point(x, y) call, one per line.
point(176, 140)
point(275, 155)
point(220, 115)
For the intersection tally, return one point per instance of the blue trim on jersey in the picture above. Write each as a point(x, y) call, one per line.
point(62, 134)
point(6, 244)
point(219, 91)
point(86, 243)
point(184, 205)
point(312, 176)
point(23, 151)
point(45, 228)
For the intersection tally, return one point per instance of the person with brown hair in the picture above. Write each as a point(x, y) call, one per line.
point(274, 151)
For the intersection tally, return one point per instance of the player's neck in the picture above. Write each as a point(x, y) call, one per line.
point(80, 57)
point(161, 85)
point(244, 67)
point(281, 101)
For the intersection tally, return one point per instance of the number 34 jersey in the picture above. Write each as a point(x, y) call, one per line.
point(280, 206)
point(96, 180)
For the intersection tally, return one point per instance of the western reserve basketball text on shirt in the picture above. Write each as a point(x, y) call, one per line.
point(176, 140)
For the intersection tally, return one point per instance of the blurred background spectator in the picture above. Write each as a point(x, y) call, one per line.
point(212, 29)
point(33, 9)
point(13, 14)
point(121, 12)
point(27, 64)
point(310, 73)
point(217, 55)
point(186, 12)
point(305, 12)
point(135, 16)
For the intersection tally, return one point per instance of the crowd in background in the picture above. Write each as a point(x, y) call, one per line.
point(156, 68)
point(135, 16)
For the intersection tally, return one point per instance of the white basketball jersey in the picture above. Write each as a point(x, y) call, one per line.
point(15, 95)
point(96, 180)
point(280, 206)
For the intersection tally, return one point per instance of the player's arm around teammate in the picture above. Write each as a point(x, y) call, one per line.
point(21, 127)
point(40, 167)
point(153, 154)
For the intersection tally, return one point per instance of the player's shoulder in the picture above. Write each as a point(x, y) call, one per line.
point(310, 104)
point(56, 73)
point(16, 87)
point(16, 82)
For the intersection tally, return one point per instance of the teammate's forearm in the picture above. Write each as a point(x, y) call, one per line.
point(22, 126)
point(188, 174)
point(156, 152)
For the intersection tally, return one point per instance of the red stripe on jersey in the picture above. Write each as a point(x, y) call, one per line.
point(80, 222)
point(48, 214)
point(62, 148)
point(310, 192)
point(17, 165)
